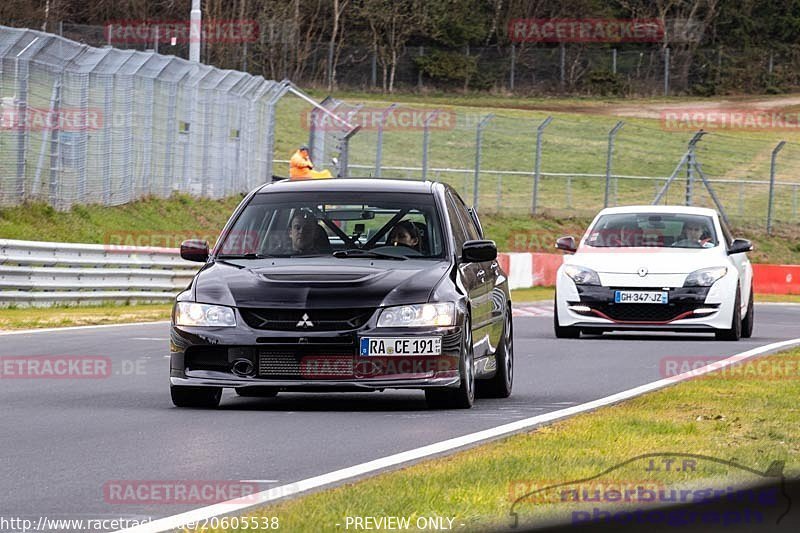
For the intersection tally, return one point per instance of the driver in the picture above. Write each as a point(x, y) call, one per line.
point(404, 233)
point(303, 232)
point(693, 233)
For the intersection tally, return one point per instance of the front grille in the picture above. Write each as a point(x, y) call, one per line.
point(306, 357)
point(645, 312)
point(307, 320)
point(283, 365)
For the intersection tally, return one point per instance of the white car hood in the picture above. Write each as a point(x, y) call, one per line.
point(655, 260)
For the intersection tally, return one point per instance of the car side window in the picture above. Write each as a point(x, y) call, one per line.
point(459, 237)
point(466, 219)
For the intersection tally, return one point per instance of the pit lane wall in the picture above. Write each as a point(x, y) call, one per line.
point(35, 273)
point(539, 269)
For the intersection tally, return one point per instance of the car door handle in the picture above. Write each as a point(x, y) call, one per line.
point(495, 266)
point(481, 273)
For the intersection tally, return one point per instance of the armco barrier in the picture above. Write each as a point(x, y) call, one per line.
point(539, 269)
point(34, 273)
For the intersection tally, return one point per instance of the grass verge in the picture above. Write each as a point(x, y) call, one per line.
point(751, 419)
point(37, 317)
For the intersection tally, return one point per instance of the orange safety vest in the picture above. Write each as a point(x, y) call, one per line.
point(300, 166)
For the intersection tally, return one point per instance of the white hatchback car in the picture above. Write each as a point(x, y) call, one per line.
point(655, 268)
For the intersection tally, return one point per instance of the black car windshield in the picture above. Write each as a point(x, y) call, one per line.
point(371, 225)
point(656, 230)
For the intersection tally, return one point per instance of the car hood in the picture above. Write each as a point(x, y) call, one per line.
point(655, 260)
point(317, 283)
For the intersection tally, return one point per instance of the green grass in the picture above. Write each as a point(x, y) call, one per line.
point(34, 317)
point(532, 294)
point(749, 419)
point(165, 222)
point(148, 222)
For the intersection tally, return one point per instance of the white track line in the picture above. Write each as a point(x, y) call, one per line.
point(72, 328)
point(233, 506)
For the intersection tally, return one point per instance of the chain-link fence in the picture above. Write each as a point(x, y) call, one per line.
point(91, 125)
point(100, 125)
point(516, 165)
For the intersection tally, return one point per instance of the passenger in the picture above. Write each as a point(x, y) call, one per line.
point(404, 233)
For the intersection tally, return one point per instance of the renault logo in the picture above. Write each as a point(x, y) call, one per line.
point(642, 272)
point(304, 322)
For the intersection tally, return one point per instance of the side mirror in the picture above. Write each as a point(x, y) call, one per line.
point(567, 244)
point(195, 250)
point(478, 251)
point(740, 246)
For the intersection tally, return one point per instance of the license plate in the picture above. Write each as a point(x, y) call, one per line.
point(640, 297)
point(401, 346)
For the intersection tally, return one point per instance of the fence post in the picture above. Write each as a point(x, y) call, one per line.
point(379, 143)
point(426, 138)
point(478, 141)
point(613, 60)
point(695, 138)
point(666, 72)
point(611, 136)
point(374, 78)
point(563, 65)
point(775, 151)
point(537, 165)
point(513, 66)
point(421, 53)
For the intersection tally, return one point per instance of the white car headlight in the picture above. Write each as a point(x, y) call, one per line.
point(441, 314)
point(582, 275)
point(705, 277)
point(195, 314)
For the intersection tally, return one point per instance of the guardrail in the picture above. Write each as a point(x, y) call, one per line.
point(34, 273)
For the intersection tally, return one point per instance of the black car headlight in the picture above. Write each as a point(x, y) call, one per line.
point(195, 314)
point(705, 277)
point(439, 314)
point(582, 275)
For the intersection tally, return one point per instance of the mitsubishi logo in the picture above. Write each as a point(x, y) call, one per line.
point(304, 322)
point(642, 272)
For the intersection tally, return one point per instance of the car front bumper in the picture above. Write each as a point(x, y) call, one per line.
point(306, 361)
point(691, 309)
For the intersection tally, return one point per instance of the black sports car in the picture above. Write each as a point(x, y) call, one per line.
point(345, 285)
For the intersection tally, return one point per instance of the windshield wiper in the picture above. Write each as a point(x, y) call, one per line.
point(357, 252)
point(243, 256)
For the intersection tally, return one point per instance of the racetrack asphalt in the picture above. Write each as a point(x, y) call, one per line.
point(65, 440)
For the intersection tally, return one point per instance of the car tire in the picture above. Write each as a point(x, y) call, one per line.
point(500, 385)
point(735, 331)
point(257, 392)
point(464, 396)
point(198, 397)
point(563, 332)
point(749, 317)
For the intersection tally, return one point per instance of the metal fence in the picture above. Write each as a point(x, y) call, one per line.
point(100, 125)
point(45, 273)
